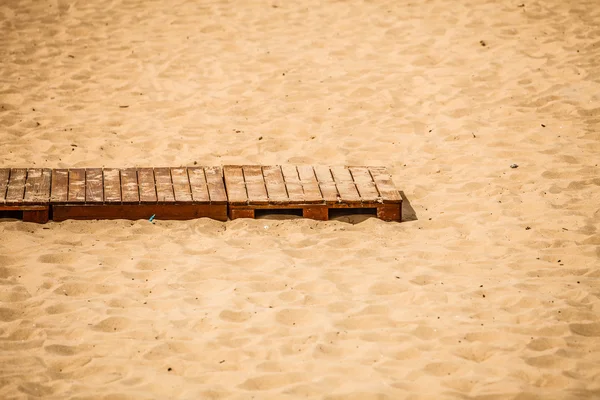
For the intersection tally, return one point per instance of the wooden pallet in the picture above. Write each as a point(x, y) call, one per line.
point(314, 190)
point(137, 193)
point(26, 190)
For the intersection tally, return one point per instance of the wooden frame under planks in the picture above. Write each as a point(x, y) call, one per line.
point(236, 191)
point(313, 190)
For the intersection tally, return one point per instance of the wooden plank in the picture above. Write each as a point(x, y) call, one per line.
point(59, 188)
point(292, 183)
point(181, 185)
point(16, 186)
point(327, 184)
point(4, 175)
point(38, 216)
point(147, 185)
point(34, 177)
point(164, 185)
point(37, 187)
point(275, 185)
point(112, 185)
point(385, 186)
point(255, 184)
point(198, 185)
point(364, 183)
point(235, 185)
point(76, 186)
point(345, 185)
point(216, 188)
point(94, 187)
point(310, 185)
point(130, 192)
point(169, 211)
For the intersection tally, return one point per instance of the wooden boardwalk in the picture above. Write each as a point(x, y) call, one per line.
point(137, 193)
point(313, 190)
point(192, 192)
point(26, 190)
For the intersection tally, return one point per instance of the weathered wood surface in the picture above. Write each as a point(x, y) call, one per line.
point(235, 185)
point(94, 187)
point(37, 187)
point(199, 187)
point(60, 186)
point(216, 187)
point(112, 185)
point(76, 186)
point(130, 192)
point(181, 185)
point(241, 189)
point(16, 186)
point(4, 175)
point(314, 190)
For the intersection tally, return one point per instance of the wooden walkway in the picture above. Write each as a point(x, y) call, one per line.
point(314, 190)
point(194, 192)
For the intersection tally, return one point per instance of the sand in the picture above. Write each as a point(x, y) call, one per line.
point(488, 290)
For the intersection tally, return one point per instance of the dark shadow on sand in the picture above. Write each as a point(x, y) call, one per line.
point(408, 212)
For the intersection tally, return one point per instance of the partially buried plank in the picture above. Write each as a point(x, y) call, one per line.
point(16, 186)
point(198, 185)
point(130, 192)
point(292, 184)
point(385, 186)
point(112, 186)
point(76, 186)
point(310, 185)
point(326, 184)
point(364, 183)
point(275, 185)
point(4, 175)
point(37, 187)
point(235, 185)
point(164, 185)
point(345, 185)
point(181, 185)
point(255, 184)
point(216, 188)
point(146, 185)
point(59, 190)
point(94, 188)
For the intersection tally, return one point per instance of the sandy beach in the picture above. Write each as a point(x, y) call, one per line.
point(488, 290)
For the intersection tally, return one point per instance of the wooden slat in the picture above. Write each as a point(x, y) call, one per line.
point(4, 175)
point(385, 186)
point(255, 184)
point(130, 192)
point(16, 186)
point(76, 186)
point(216, 188)
point(275, 185)
point(364, 183)
point(164, 185)
point(181, 185)
point(198, 185)
point(147, 185)
point(326, 184)
point(235, 185)
point(345, 185)
point(310, 185)
point(94, 187)
point(59, 190)
point(37, 187)
point(112, 185)
point(292, 183)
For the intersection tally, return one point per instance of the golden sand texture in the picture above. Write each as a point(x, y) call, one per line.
point(489, 290)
